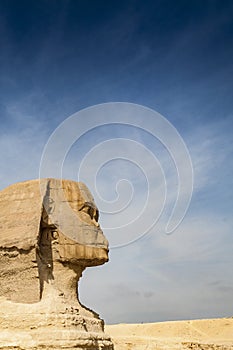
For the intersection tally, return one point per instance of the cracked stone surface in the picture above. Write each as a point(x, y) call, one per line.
point(49, 233)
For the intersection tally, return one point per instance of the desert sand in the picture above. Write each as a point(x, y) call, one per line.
point(212, 334)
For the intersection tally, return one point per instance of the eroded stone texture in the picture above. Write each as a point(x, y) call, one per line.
point(49, 233)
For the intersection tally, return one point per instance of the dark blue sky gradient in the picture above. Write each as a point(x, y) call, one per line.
point(81, 53)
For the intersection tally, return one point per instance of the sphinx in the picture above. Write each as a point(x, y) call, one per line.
point(49, 234)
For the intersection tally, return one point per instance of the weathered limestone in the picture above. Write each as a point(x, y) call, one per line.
point(49, 233)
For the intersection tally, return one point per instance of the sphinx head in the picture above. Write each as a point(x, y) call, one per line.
point(49, 224)
point(70, 222)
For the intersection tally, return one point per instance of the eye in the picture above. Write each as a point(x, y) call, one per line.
point(88, 210)
point(85, 209)
point(91, 211)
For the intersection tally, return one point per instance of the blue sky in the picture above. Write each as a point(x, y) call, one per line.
point(175, 57)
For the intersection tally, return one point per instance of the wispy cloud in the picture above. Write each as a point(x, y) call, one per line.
point(183, 263)
point(20, 146)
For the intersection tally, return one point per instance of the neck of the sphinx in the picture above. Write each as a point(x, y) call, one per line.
point(59, 280)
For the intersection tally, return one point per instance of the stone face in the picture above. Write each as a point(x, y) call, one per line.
point(49, 233)
point(64, 205)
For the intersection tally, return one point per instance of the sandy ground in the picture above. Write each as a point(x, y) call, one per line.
point(213, 334)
